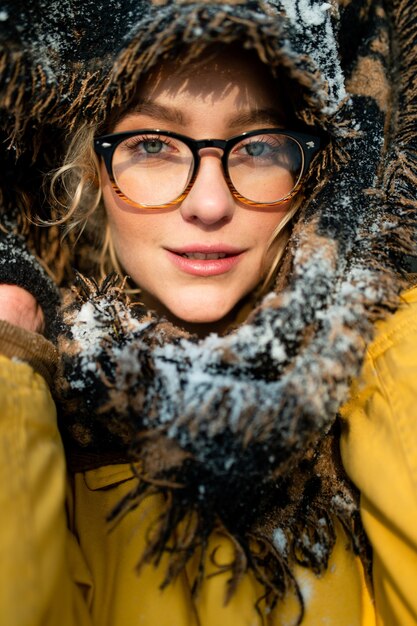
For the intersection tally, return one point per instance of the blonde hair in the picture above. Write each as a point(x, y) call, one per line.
point(76, 197)
point(279, 240)
point(75, 190)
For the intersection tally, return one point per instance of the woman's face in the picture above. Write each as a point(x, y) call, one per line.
point(195, 262)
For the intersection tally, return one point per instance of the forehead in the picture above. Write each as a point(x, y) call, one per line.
point(225, 75)
point(214, 75)
point(225, 90)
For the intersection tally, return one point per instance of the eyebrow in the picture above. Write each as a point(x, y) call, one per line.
point(175, 115)
point(167, 114)
point(257, 116)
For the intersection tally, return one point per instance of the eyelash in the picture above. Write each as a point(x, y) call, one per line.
point(269, 142)
point(134, 142)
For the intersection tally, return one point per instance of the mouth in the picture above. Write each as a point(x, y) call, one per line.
point(204, 257)
point(199, 260)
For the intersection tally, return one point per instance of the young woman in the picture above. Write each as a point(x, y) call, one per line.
point(251, 196)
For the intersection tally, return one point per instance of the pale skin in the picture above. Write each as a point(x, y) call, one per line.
point(223, 97)
point(19, 307)
point(226, 95)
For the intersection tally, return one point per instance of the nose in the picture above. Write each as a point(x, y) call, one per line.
point(209, 200)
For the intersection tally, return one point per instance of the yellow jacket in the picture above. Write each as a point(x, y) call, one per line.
point(61, 562)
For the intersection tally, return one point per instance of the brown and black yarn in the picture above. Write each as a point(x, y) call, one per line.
point(238, 431)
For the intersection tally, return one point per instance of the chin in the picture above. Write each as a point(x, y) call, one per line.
point(212, 310)
point(204, 318)
point(200, 317)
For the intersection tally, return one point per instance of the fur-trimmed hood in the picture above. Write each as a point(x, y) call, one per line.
point(81, 59)
point(201, 415)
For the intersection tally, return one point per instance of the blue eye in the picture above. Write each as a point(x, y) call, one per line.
point(143, 145)
point(256, 148)
point(152, 146)
point(259, 147)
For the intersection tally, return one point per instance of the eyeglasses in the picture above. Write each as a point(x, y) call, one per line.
point(154, 169)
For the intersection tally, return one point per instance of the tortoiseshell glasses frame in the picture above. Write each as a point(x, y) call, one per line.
point(106, 145)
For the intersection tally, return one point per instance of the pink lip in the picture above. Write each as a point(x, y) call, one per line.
point(205, 267)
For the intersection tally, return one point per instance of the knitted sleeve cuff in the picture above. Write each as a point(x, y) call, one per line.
point(30, 347)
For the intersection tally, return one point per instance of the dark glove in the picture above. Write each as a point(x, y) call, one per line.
point(19, 267)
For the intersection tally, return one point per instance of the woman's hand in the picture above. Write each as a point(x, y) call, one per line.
point(19, 307)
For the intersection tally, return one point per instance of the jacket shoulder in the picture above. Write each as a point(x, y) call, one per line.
point(379, 452)
point(397, 328)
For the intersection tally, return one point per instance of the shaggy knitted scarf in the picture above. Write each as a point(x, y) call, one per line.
point(239, 431)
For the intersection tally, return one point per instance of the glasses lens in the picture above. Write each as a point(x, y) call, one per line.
point(266, 168)
point(152, 169)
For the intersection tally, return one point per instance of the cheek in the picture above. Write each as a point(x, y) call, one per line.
point(132, 238)
point(136, 237)
point(272, 237)
point(129, 231)
point(265, 224)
